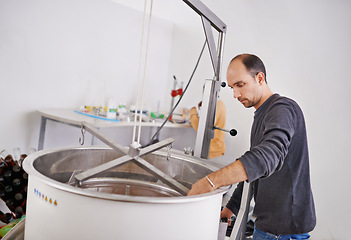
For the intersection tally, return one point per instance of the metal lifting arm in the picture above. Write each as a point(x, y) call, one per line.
point(210, 19)
point(203, 10)
point(205, 130)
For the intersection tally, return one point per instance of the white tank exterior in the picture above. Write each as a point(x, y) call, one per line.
point(58, 211)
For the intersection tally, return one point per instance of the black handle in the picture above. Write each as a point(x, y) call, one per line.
point(232, 132)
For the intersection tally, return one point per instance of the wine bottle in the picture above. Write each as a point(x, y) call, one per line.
point(3, 182)
point(9, 217)
point(16, 171)
point(8, 192)
point(3, 218)
point(2, 195)
point(9, 160)
point(8, 175)
point(19, 212)
point(3, 166)
point(10, 203)
point(24, 179)
point(20, 161)
point(17, 185)
point(18, 198)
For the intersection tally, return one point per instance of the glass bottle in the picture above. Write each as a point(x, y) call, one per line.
point(3, 218)
point(10, 203)
point(19, 212)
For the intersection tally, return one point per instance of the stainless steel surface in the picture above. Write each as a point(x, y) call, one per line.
point(183, 190)
point(164, 177)
point(55, 167)
point(102, 168)
point(129, 187)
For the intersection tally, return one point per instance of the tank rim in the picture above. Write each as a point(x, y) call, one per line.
point(28, 166)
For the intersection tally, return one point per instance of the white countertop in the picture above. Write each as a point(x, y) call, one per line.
point(69, 116)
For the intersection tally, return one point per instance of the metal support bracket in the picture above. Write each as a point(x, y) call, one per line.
point(210, 42)
point(109, 142)
point(134, 154)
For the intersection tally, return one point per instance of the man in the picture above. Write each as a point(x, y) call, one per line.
point(277, 163)
point(217, 145)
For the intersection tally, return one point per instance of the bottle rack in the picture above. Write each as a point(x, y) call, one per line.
point(13, 187)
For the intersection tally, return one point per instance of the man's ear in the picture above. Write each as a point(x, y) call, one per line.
point(260, 77)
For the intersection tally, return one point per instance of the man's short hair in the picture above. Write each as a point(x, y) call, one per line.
point(253, 64)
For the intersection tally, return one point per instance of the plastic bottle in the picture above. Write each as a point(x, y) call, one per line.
point(111, 109)
point(122, 110)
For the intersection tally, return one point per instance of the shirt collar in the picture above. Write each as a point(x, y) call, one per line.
point(266, 103)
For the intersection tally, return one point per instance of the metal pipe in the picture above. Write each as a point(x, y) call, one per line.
point(203, 10)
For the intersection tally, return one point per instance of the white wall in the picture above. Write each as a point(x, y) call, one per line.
point(63, 54)
point(305, 45)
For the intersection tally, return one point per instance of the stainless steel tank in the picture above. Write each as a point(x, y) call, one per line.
point(125, 202)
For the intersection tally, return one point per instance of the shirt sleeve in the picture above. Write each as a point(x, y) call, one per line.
point(268, 154)
point(235, 200)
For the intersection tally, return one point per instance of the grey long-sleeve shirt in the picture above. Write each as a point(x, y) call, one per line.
point(278, 166)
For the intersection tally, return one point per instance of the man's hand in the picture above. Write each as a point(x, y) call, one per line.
point(226, 213)
point(201, 186)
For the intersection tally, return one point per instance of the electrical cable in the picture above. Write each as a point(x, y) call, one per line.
point(180, 98)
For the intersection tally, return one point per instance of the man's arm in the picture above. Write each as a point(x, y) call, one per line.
point(228, 175)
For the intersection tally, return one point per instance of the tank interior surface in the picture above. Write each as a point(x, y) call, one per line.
point(125, 179)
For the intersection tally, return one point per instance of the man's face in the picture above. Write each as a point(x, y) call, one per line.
point(246, 88)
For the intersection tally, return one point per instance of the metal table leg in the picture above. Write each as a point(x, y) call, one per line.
point(239, 228)
point(42, 133)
